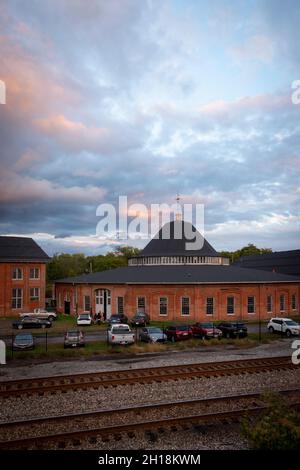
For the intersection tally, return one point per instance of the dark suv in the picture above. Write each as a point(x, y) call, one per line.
point(118, 318)
point(233, 329)
point(140, 319)
point(179, 332)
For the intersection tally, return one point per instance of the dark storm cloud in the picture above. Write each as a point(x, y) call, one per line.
point(106, 99)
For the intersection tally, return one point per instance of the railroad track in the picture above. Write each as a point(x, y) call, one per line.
point(63, 383)
point(86, 428)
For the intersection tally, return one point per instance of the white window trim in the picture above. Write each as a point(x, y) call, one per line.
point(17, 278)
point(34, 298)
point(295, 308)
point(182, 314)
point(270, 311)
point(21, 297)
point(137, 302)
point(214, 304)
point(254, 312)
point(84, 304)
point(117, 303)
point(34, 278)
point(164, 315)
point(284, 303)
point(230, 314)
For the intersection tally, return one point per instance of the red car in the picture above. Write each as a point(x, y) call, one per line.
point(179, 332)
point(206, 330)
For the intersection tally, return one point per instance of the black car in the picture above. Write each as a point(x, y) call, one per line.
point(118, 318)
point(23, 341)
point(233, 329)
point(29, 322)
point(140, 319)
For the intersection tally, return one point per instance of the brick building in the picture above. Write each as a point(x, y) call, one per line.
point(170, 282)
point(22, 275)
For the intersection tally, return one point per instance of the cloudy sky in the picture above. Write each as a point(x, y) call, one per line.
point(150, 98)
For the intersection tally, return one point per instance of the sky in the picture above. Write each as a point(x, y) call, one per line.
point(150, 99)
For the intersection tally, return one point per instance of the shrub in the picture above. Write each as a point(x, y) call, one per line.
point(276, 428)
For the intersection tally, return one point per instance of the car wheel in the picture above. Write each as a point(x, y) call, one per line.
point(51, 318)
point(227, 335)
point(288, 333)
point(20, 327)
point(173, 339)
point(271, 329)
point(43, 326)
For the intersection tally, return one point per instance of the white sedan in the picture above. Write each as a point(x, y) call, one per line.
point(84, 319)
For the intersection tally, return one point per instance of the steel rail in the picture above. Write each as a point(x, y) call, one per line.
point(95, 380)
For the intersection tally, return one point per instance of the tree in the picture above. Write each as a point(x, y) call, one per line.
point(247, 250)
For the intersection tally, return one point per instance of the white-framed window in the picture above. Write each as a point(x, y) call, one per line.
point(251, 304)
point(282, 302)
point(17, 298)
point(163, 305)
point(210, 305)
point(17, 273)
point(34, 273)
point(269, 304)
point(120, 305)
point(185, 306)
point(34, 293)
point(294, 302)
point(87, 303)
point(230, 305)
point(141, 304)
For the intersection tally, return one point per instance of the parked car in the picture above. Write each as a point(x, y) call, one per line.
point(120, 334)
point(151, 334)
point(118, 318)
point(84, 319)
point(284, 325)
point(233, 329)
point(179, 332)
point(206, 330)
point(29, 322)
point(74, 339)
point(140, 319)
point(41, 313)
point(23, 341)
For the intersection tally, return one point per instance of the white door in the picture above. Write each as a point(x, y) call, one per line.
point(99, 301)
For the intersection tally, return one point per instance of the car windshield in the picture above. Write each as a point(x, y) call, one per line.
point(120, 330)
point(154, 330)
point(84, 317)
point(30, 319)
point(207, 325)
point(23, 338)
point(291, 323)
point(183, 327)
point(238, 325)
point(73, 333)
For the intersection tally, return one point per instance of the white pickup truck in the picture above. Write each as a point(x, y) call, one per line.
point(40, 313)
point(120, 334)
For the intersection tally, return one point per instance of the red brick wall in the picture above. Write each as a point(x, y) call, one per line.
point(197, 295)
point(7, 284)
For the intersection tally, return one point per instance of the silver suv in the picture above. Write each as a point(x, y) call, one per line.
point(284, 325)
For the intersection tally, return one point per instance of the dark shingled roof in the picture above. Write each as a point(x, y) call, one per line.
point(285, 262)
point(198, 274)
point(21, 249)
point(162, 246)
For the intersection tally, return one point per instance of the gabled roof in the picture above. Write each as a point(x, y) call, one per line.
point(197, 274)
point(165, 242)
point(21, 249)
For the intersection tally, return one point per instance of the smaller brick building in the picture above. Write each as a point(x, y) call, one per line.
point(22, 275)
point(170, 282)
